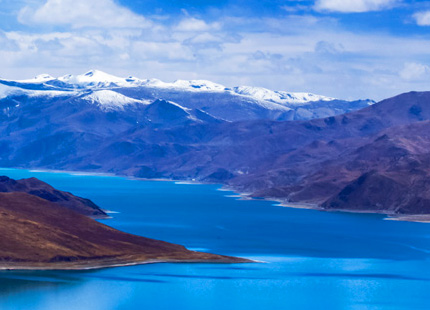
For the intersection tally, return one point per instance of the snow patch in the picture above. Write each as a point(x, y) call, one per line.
point(192, 85)
point(111, 100)
point(39, 79)
point(94, 79)
point(281, 97)
point(48, 93)
point(7, 90)
point(198, 85)
point(177, 105)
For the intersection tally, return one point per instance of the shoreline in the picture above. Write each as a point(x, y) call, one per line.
point(415, 218)
point(112, 263)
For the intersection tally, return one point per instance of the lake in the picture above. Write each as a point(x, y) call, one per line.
point(312, 259)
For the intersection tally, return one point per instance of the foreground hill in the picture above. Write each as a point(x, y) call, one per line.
point(43, 190)
point(38, 234)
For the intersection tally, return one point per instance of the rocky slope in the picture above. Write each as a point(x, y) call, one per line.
point(378, 161)
point(38, 234)
point(393, 173)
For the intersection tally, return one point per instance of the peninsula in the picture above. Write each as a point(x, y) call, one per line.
point(40, 234)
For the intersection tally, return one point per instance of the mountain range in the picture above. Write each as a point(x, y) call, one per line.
point(114, 94)
point(360, 156)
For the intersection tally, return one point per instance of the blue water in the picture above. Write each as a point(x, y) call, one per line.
point(313, 260)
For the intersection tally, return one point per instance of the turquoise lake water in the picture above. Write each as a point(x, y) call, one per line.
point(313, 259)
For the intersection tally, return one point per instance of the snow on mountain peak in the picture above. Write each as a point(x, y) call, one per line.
point(98, 80)
point(93, 78)
point(153, 83)
point(111, 100)
point(43, 77)
point(198, 85)
point(133, 80)
point(281, 97)
point(7, 90)
point(111, 93)
point(39, 79)
point(186, 85)
point(90, 73)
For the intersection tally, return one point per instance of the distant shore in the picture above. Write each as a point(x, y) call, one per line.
point(418, 218)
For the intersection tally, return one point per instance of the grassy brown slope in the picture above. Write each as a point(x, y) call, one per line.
point(43, 190)
point(36, 233)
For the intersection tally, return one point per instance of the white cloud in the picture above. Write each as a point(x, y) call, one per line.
point(162, 51)
point(328, 48)
point(190, 24)
point(82, 13)
point(295, 8)
point(413, 71)
point(7, 44)
point(422, 18)
point(353, 6)
point(294, 53)
point(205, 37)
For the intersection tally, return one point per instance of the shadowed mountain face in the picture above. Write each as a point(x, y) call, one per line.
point(43, 190)
point(377, 161)
point(329, 161)
point(391, 173)
point(38, 234)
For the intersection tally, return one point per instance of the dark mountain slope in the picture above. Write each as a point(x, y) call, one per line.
point(309, 161)
point(393, 173)
point(248, 149)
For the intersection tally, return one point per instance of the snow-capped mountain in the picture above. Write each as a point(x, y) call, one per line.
point(41, 78)
point(96, 79)
point(109, 93)
point(110, 100)
point(15, 91)
point(282, 97)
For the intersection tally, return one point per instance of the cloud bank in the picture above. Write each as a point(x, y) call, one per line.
point(422, 18)
point(354, 6)
point(290, 51)
point(82, 13)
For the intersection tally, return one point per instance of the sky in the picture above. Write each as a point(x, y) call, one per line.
point(349, 49)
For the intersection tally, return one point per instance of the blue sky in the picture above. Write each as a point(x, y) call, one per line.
point(342, 48)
